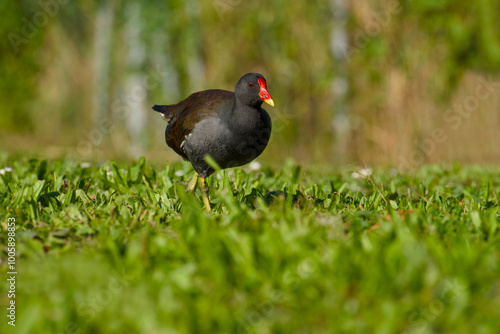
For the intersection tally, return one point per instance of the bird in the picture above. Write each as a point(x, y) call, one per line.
point(230, 127)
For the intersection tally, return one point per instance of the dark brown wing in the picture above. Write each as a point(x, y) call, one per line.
point(183, 116)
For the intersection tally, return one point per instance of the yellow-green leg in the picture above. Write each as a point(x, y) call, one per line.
point(192, 183)
point(191, 186)
point(204, 194)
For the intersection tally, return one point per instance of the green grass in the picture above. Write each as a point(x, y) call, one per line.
point(123, 249)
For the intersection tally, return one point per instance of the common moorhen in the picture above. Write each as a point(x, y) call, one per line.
point(232, 128)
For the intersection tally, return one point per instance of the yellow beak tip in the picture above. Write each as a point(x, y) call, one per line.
point(270, 102)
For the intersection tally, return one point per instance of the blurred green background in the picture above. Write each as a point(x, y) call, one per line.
point(398, 83)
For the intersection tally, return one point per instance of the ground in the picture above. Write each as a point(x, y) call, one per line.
point(121, 248)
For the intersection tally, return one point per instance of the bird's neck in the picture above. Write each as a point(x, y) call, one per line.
point(245, 106)
point(242, 115)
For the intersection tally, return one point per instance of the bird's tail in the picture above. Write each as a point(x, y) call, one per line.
point(164, 110)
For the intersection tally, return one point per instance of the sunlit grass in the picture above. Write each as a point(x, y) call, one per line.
point(121, 248)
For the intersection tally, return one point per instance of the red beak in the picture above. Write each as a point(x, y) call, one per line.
point(264, 94)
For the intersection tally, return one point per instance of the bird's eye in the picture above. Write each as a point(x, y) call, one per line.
point(250, 84)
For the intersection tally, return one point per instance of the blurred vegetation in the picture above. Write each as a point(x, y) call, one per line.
point(402, 65)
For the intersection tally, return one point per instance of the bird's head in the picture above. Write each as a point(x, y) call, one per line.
point(251, 90)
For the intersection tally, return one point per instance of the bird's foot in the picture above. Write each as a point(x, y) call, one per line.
point(191, 186)
point(204, 194)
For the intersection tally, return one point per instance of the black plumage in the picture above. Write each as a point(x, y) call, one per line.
point(230, 127)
